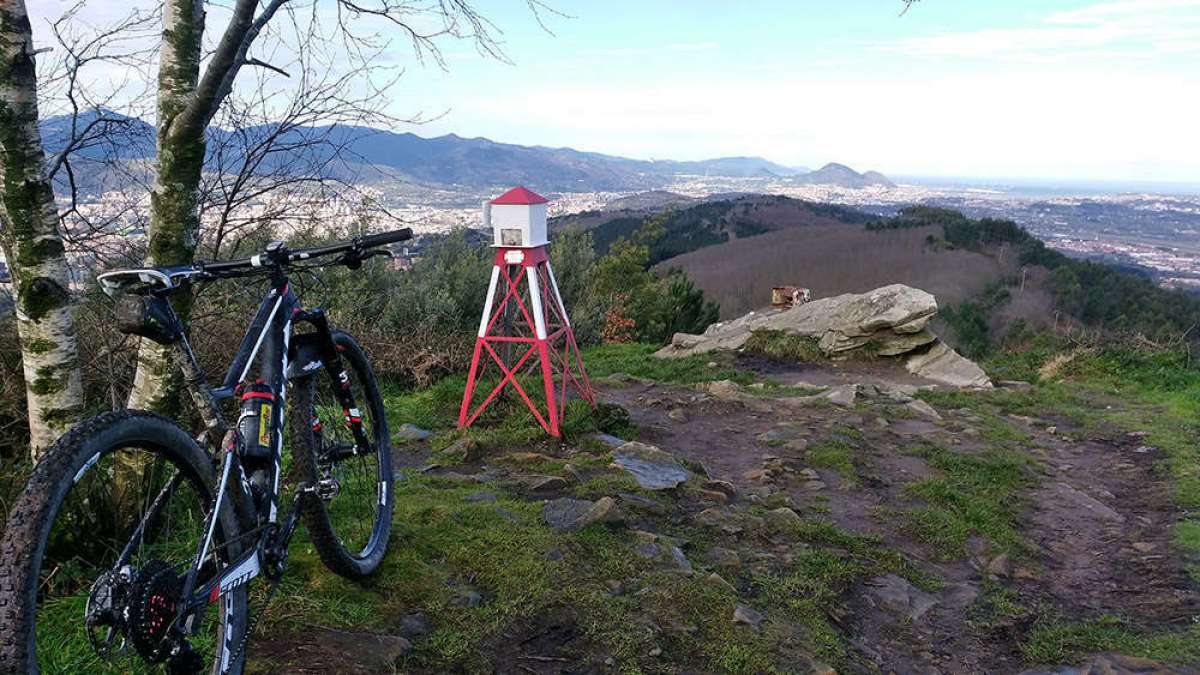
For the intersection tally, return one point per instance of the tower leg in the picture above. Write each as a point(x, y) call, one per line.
point(470, 391)
point(548, 385)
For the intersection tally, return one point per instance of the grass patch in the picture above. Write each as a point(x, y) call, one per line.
point(996, 607)
point(638, 360)
point(1187, 537)
point(975, 495)
point(1052, 642)
point(780, 345)
point(810, 587)
point(444, 544)
point(1126, 388)
point(837, 456)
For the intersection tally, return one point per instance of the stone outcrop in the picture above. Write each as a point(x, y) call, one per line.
point(888, 321)
point(943, 365)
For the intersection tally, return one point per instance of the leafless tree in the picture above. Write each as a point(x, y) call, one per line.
point(190, 98)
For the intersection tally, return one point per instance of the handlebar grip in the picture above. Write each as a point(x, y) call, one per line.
point(384, 238)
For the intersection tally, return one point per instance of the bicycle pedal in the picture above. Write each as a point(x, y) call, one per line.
point(328, 488)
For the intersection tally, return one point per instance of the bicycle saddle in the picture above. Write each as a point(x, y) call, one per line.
point(145, 280)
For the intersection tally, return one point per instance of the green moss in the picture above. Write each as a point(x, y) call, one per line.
point(783, 346)
point(41, 295)
point(48, 380)
point(61, 418)
point(39, 346)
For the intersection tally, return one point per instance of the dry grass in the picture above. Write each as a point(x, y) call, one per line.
point(834, 259)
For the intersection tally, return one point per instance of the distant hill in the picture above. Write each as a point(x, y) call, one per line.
point(710, 222)
point(652, 199)
point(369, 155)
point(843, 176)
point(832, 259)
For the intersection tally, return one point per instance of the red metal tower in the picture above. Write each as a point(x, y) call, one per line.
point(524, 329)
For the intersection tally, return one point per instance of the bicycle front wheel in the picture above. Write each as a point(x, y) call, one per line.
point(348, 513)
point(97, 545)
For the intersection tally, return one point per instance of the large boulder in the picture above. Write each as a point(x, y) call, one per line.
point(943, 365)
point(889, 321)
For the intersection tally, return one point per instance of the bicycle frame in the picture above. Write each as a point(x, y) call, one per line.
point(280, 358)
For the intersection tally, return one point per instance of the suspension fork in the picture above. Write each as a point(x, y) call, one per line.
point(332, 361)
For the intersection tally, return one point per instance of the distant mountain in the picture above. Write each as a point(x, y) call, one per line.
point(370, 155)
point(125, 137)
point(843, 176)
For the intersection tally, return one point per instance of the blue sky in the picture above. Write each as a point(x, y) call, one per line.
point(1072, 89)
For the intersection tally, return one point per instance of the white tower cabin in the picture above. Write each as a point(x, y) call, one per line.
point(517, 219)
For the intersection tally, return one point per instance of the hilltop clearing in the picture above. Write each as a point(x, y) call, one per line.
point(832, 259)
point(776, 517)
point(712, 222)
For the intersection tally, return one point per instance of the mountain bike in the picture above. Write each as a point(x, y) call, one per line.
point(133, 542)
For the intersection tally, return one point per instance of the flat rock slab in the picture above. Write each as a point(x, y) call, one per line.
point(652, 468)
point(896, 595)
point(411, 432)
point(943, 365)
point(891, 318)
point(572, 515)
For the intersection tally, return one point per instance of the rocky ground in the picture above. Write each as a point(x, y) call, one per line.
point(821, 518)
point(1095, 523)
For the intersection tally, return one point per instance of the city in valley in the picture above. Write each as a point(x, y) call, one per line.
point(1155, 234)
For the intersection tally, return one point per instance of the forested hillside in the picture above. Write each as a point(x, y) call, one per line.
point(691, 227)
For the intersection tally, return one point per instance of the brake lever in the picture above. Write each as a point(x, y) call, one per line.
point(354, 259)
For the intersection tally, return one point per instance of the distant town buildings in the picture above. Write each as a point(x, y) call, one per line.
point(1156, 233)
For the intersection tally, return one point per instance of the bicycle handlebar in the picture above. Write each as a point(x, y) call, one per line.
point(280, 255)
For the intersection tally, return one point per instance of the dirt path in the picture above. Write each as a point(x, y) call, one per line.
point(1097, 520)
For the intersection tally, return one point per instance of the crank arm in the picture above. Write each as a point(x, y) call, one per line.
point(340, 452)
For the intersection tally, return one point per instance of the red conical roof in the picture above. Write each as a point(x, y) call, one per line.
point(519, 195)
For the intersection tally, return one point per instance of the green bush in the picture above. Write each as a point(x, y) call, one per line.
point(1097, 294)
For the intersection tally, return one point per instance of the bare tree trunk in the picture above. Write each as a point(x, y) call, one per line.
point(32, 243)
point(174, 208)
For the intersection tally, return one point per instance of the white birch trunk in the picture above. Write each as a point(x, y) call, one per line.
point(32, 244)
point(174, 209)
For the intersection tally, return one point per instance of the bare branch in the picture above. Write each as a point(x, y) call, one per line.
point(264, 64)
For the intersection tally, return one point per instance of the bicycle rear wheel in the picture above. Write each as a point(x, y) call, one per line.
point(349, 517)
point(80, 589)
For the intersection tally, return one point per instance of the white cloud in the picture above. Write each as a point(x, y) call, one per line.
point(1033, 123)
point(1122, 10)
point(1136, 28)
